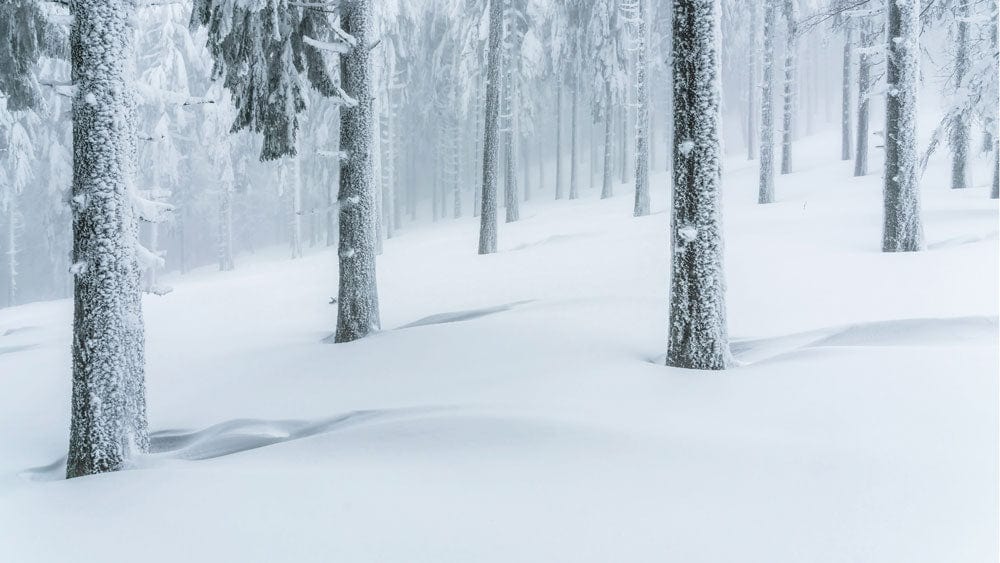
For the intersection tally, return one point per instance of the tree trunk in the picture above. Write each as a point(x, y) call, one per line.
point(864, 92)
point(698, 336)
point(296, 208)
point(225, 227)
point(845, 106)
point(108, 423)
point(357, 303)
point(902, 230)
point(574, 191)
point(642, 136)
point(559, 128)
point(11, 251)
point(526, 168)
point(488, 214)
point(766, 187)
point(959, 138)
point(791, 58)
point(752, 83)
point(609, 142)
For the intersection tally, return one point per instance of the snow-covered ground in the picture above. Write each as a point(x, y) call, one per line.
point(515, 407)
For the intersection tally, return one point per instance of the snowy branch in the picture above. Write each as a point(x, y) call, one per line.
point(339, 48)
point(151, 211)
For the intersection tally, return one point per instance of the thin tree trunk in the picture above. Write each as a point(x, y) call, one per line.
point(108, 423)
point(959, 139)
point(357, 303)
point(559, 128)
point(642, 136)
point(488, 214)
point(11, 251)
point(296, 211)
point(791, 58)
point(609, 141)
point(864, 93)
point(766, 185)
point(698, 336)
point(845, 106)
point(902, 230)
point(574, 192)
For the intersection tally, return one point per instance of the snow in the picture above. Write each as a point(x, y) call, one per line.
point(515, 407)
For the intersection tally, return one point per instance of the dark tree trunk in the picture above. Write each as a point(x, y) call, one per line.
point(698, 335)
point(108, 422)
point(357, 311)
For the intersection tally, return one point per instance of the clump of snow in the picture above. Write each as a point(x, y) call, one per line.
point(686, 147)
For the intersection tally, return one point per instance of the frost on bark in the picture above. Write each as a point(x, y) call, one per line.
point(845, 105)
point(754, 45)
point(766, 188)
point(641, 206)
point(864, 93)
point(902, 230)
point(698, 335)
point(959, 136)
point(609, 141)
point(108, 421)
point(995, 192)
point(791, 61)
point(559, 128)
point(357, 311)
point(511, 209)
point(225, 236)
point(574, 189)
point(491, 145)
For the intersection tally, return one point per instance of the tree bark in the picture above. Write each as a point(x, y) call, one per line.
point(108, 423)
point(902, 230)
point(766, 184)
point(488, 213)
point(357, 303)
point(864, 93)
point(642, 136)
point(845, 105)
point(791, 62)
point(959, 139)
point(698, 336)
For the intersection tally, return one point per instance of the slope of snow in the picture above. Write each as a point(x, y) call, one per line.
point(515, 407)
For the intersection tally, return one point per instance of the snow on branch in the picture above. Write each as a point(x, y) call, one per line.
point(337, 47)
point(147, 259)
point(344, 98)
point(151, 211)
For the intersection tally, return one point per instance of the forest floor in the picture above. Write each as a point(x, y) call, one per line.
point(515, 407)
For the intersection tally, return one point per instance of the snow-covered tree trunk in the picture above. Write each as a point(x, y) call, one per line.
point(293, 172)
point(388, 166)
point(641, 206)
point(845, 105)
point(609, 143)
point(766, 184)
point(108, 423)
point(626, 161)
point(11, 251)
point(225, 241)
point(491, 145)
point(902, 230)
point(752, 84)
point(559, 128)
point(864, 93)
point(791, 61)
point(960, 134)
point(995, 192)
point(574, 189)
point(511, 210)
point(698, 335)
point(357, 311)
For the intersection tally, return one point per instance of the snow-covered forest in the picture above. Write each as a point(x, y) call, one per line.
point(499, 280)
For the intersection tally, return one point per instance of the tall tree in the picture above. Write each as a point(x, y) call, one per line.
point(491, 147)
point(865, 62)
point(960, 134)
point(790, 13)
point(766, 183)
point(357, 314)
point(108, 424)
point(642, 15)
point(902, 230)
point(698, 336)
point(845, 92)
